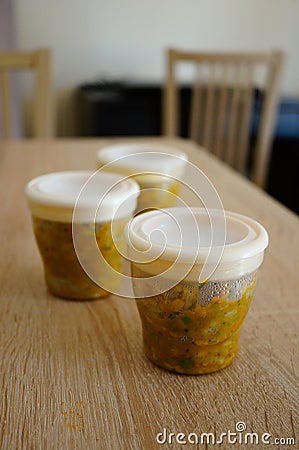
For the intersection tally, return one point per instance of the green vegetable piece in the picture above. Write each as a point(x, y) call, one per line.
point(154, 336)
point(186, 319)
point(186, 363)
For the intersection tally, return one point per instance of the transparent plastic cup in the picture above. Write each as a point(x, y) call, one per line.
point(192, 325)
point(52, 199)
point(158, 169)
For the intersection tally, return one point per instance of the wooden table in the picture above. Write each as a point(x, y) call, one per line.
point(73, 374)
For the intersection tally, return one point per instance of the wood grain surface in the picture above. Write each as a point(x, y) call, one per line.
point(73, 374)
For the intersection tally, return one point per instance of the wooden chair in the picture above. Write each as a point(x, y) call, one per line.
point(221, 104)
point(40, 62)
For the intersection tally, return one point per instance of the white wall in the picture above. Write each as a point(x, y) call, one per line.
point(126, 39)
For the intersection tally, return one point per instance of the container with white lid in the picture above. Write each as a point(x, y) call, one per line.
point(85, 203)
point(157, 168)
point(194, 273)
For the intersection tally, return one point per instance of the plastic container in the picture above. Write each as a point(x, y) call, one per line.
point(52, 199)
point(191, 326)
point(158, 169)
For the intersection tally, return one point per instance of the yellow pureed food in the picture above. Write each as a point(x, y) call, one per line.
point(185, 336)
point(78, 219)
point(194, 274)
point(158, 169)
point(161, 193)
point(64, 274)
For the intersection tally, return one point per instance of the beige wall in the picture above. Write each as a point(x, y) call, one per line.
point(126, 39)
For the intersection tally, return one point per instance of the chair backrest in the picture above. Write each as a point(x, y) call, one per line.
point(42, 113)
point(222, 101)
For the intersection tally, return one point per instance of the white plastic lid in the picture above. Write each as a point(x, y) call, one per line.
point(228, 244)
point(86, 195)
point(134, 158)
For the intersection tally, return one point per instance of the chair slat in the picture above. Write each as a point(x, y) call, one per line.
point(235, 100)
point(243, 143)
point(232, 57)
point(171, 102)
point(6, 104)
point(16, 60)
point(268, 114)
point(42, 113)
point(196, 105)
point(207, 131)
point(221, 113)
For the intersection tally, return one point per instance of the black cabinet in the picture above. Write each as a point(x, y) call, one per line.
point(120, 110)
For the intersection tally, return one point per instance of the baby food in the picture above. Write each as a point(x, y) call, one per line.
point(64, 275)
point(194, 274)
point(78, 219)
point(158, 169)
point(190, 332)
